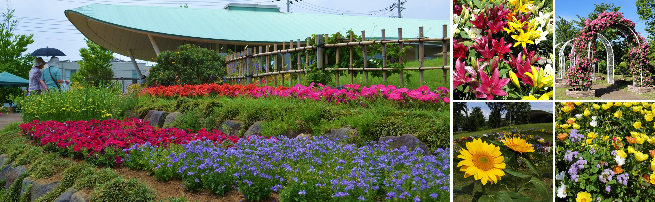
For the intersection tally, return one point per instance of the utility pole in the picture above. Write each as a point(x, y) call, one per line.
point(288, 5)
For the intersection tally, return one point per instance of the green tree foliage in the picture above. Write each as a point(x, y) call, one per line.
point(13, 58)
point(646, 11)
point(188, 65)
point(476, 120)
point(459, 111)
point(518, 112)
point(495, 117)
point(95, 67)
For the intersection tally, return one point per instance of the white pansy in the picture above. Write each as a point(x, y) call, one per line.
point(560, 176)
point(593, 123)
point(473, 32)
point(561, 191)
point(578, 116)
point(593, 118)
point(619, 160)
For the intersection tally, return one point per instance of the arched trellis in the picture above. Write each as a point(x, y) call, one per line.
point(610, 58)
point(579, 77)
point(562, 59)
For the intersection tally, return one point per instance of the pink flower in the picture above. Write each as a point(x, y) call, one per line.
point(491, 86)
point(460, 74)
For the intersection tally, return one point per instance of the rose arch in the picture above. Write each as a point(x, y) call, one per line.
point(582, 62)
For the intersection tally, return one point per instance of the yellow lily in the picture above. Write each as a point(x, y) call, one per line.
point(514, 78)
point(522, 39)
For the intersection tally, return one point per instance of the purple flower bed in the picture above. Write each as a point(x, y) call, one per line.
point(311, 170)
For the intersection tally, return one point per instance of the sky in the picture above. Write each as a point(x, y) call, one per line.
point(544, 106)
point(569, 9)
point(46, 20)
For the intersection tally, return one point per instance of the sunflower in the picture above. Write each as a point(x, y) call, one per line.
point(481, 160)
point(518, 144)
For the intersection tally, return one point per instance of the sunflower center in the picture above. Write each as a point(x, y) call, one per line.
point(484, 162)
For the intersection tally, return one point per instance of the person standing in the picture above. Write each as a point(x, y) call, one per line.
point(52, 75)
point(36, 85)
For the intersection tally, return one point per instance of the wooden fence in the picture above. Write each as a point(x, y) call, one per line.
point(242, 62)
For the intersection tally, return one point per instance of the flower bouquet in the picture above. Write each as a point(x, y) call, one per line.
point(490, 157)
point(605, 151)
point(501, 41)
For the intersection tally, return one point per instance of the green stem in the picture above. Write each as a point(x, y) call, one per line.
point(484, 191)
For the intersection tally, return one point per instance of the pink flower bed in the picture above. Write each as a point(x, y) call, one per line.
point(313, 91)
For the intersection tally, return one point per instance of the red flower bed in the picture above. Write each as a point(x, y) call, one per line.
point(105, 140)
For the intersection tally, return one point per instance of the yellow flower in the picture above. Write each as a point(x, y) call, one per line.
point(617, 114)
point(606, 106)
point(546, 96)
point(586, 112)
point(583, 197)
point(627, 104)
point(641, 156)
point(578, 103)
point(652, 165)
point(566, 109)
point(592, 135)
point(515, 25)
point(565, 126)
point(637, 125)
point(589, 141)
point(652, 178)
point(575, 126)
point(522, 39)
point(618, 104)
point(481, 160)
point(648, 117)
point(514, 79)
point(605, 138)
point(529, 97)
point(518, 144)
point(631, 150)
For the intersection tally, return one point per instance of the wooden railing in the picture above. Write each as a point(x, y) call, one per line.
point(242, 62)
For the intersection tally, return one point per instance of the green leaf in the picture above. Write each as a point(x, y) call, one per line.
point(531, 166)
point(503, 196)
point(516, 174)
point(541, 187)
point(486, 198)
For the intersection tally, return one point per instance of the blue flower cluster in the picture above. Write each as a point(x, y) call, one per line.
point(300, 168)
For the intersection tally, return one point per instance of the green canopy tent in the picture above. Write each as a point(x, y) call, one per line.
point(9, 80)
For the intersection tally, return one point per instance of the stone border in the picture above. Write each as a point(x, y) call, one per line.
point(580, 94)
point(640, 90)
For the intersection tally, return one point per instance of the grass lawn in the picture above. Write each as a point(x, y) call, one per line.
point(547, 126)
point(433, 78)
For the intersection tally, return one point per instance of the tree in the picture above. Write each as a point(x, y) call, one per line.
point(13, 58)
point(646, 11)
point(190, 64)
point(458, 117)
point(518, 113)
point(95, 67)
point(476, 120)
point(497, 109)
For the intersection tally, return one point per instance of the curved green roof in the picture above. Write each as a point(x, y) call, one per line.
point(122, 27)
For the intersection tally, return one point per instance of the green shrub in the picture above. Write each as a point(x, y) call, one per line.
point(94, 178)
point(188, 65)
point(119, 189)
point(48, 165)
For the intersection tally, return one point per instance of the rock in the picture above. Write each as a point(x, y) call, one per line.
point(231, 127)
point(42, 187)
point(408, 140)
point(66, 196)
point(4, 171)
point(171, 118)
point(147, 117)
point(304, 135)
point(80, 196)
point(129, 114)
point(13, 175)
point(26, 183)
point(157, 118)
point(341, 133)
point(255, 129)
point(3, 159)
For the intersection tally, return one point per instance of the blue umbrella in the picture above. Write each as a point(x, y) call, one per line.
point(48, 52)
